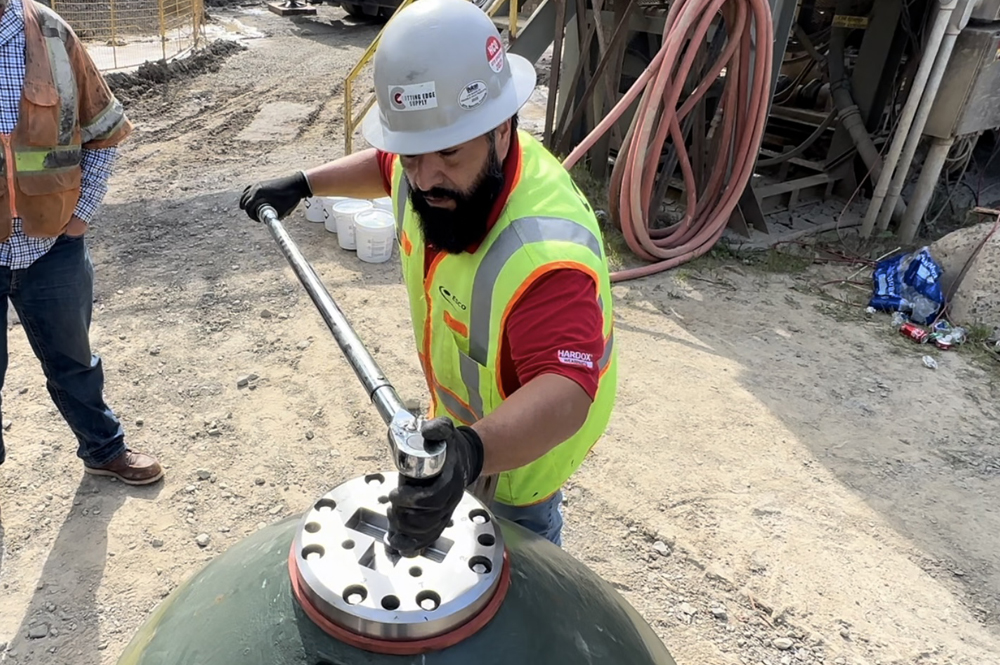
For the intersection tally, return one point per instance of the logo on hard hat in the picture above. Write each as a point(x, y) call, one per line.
point(473, 95)
point(396, 98)
point(413, 97)
point(494, 53)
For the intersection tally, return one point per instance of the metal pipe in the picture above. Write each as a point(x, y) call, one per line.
point(941, 20)
point(924, 190)
point(849, 113)
point(912, 217)
point(413, 456)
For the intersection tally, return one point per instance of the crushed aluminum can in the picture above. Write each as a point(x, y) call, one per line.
point(914, 332)
point(947, 337)
point(943, 343)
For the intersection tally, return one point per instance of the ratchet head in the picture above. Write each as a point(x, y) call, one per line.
point(414, 456)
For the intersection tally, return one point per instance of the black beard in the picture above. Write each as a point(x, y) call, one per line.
point(455, 230)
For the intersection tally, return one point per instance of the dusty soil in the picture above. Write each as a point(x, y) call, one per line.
point(783, 481)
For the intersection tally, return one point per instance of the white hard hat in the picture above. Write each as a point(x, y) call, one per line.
point(442, 77)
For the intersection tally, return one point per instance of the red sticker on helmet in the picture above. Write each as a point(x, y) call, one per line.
point(494, 54)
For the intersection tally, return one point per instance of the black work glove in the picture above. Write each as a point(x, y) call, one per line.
point(419, 509)
point(282, 194)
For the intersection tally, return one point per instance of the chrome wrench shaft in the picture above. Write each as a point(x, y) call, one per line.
point(413, 456)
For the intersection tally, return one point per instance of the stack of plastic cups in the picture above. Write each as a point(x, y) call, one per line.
point(344, 212)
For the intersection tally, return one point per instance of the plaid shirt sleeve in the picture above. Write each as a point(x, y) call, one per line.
point(97, 166)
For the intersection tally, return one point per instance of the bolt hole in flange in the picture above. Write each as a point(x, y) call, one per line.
point(348, 544)
point(480, 565)
point(390, 603)
point(325, 505)
point(487, 539)
point(374, 479)
point(312, 552)
point(355, 594)
point(416, 571)
point(312, 527)
point(428, 600)
point(479, 516)
point(383, 499)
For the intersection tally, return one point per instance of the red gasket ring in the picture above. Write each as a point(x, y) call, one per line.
point(399, 647)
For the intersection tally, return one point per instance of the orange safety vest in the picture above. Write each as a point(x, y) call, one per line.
point(65, 106)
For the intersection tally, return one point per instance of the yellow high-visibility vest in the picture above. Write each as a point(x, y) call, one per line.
point(458, 310)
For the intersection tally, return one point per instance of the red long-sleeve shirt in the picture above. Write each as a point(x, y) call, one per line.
point(559, 312)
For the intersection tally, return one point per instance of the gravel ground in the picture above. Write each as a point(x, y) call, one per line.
point(783, 480)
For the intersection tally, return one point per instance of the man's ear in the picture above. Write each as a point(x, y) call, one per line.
point(504, 130)
point(502, 138)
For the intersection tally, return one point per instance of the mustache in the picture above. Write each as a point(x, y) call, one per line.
point(437, 193)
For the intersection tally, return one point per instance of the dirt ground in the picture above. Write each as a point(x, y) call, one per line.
point(783, 480)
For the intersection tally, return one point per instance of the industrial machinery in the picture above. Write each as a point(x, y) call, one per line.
point(324, 589)
point(851, 99)
point(382, 10)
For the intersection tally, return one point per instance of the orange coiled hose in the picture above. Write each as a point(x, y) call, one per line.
point(739, 122)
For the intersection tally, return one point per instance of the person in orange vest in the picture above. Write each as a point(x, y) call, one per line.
point(503, 261)
point(59, 125)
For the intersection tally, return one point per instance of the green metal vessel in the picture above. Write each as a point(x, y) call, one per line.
point(543, 606)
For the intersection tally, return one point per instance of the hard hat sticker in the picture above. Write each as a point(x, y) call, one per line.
point(473, 95)
point(494, 53)
point(413, 97)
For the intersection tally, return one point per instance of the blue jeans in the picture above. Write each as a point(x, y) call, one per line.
point(54, 299)
point(544, 518)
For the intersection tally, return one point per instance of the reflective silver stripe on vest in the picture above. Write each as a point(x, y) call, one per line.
point(519, 233)
point(106, 124)
point(55, 36)
point(456, 407)
point(399, 199)
point(470, 377)
point(608, 348)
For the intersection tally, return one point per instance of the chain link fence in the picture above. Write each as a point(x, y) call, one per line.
point(120, 34)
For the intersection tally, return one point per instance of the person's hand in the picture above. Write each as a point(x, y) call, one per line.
point(76, 227)
point(282, 194)
point(419, 510)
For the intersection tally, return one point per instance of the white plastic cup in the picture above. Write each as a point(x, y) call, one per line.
point(384, 203)
point(345, 211)
point(315, 211)
point(331, 219)
point(375, 234)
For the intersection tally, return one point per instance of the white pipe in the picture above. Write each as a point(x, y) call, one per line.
point(941, 20)
point(912, 217)
point(929, 173)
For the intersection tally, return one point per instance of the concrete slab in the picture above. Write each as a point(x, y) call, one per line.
point(276, 121)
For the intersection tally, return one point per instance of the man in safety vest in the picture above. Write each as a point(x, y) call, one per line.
point(503, 260)
point(59, 125)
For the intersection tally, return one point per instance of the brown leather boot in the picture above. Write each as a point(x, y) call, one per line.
point(131, 468)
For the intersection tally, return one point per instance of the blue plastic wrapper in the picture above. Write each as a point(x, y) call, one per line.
point(909, 283)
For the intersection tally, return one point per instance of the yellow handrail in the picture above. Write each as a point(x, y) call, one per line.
point(350, 124)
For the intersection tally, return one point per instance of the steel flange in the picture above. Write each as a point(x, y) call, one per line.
point(342, 567)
